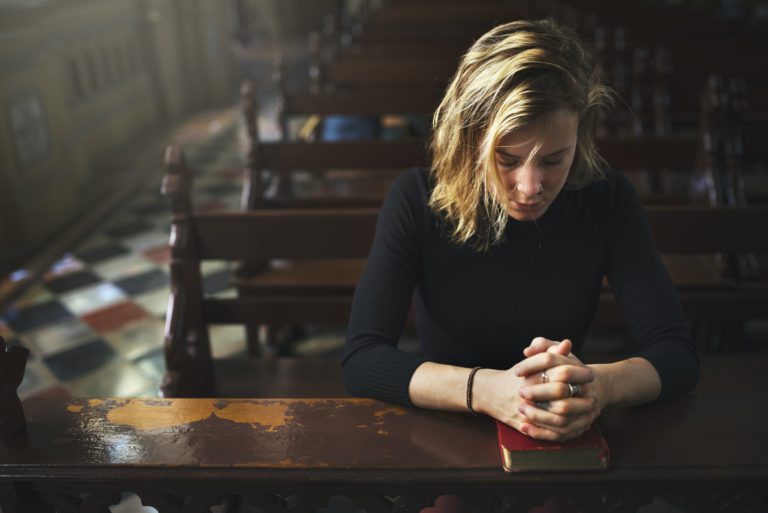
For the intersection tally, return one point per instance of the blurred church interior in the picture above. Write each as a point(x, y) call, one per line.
point(93, 90)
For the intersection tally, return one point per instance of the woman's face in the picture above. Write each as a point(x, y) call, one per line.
point(534, 162)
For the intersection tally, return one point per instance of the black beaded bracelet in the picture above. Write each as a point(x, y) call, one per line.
point(471, 379)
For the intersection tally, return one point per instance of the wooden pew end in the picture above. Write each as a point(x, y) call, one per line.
point(13, 361)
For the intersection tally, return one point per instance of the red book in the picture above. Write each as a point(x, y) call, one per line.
point(521, 453)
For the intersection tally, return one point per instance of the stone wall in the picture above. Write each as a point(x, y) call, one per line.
point(83, 79)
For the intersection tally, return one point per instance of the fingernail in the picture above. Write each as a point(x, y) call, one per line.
point(524, 429)
point(521, 409)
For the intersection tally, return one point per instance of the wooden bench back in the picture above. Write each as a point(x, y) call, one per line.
point(348, 234)
point(261, 234)
point(360, 103)
point(703, 230)
point(282, 157)
point(291, 234)
point(251, 237)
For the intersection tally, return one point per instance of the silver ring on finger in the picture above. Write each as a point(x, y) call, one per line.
point(543, 405)
point(544, 377)
point(574, 390)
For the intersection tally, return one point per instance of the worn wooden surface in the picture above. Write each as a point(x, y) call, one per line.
point(707, 452)
point(716, 435)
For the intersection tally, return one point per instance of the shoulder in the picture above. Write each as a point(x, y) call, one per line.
point(407, 201)
point(410, 190)
point(414, 184)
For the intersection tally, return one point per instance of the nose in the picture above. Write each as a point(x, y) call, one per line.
point(528, 181)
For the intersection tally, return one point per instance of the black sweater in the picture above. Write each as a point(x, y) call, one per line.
point(483, 308)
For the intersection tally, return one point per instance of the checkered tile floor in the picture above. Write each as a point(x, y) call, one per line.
point(94, 323)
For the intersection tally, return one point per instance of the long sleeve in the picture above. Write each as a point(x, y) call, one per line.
point(648, 298)
point(372, 364)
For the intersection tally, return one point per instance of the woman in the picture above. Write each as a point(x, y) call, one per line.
point(505, 242)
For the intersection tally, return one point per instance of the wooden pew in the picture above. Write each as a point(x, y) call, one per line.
point(336, 242)
point(317, 103)
point(13, 361)
point(365, 159)
point(667, 100)
point(352, 174)
point(322, 254)
point(372, 164)
point(650, 154)
point(281, 454)
point(424, 74)
point(423, 15)
point(730, 50)
point(689, 240)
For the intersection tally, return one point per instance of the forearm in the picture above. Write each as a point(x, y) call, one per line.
point(439, 387)
point(626, 383)
point(444, 387)
point(380, 372)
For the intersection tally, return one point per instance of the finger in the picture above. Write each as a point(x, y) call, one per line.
point(564, 348)
point(539, 433)
point(540, 362)
point(538, 345)
point(576, 426)
point(548, 391)
point(535, 379)
point(573, 372)
point(557, 411)
point(562, 425)
point(543, 433)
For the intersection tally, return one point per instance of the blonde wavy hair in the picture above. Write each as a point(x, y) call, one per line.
point(511, 76)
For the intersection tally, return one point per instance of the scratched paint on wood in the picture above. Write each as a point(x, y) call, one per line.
point(146, 415)
point(251, 433)
point(272, 416)
point(152, 414)
point(395, 410)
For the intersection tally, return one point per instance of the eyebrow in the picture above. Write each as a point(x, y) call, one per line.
point(510, 155)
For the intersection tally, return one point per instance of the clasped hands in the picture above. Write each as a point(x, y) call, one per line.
point(535, 398)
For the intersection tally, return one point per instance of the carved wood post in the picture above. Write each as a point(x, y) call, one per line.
point(278, 81)
point(189, 367)
point(13, 361)
point(253, 188)
point(279, 183)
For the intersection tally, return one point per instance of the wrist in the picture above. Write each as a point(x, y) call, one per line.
point(469, 393)
point(602, 385)
point(481, 389)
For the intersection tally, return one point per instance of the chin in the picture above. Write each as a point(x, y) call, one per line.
point(520, 216)
point(525, 214)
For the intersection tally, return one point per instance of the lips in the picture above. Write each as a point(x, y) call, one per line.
point(525, 206)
